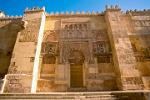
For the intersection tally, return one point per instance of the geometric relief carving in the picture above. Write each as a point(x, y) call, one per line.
point(13, 69)
point(141, 26)
point(139, 58)
point(50, 36)
point(27, 36)
point(31, 31)
point(76, 57)
point(133, 81)
point(100, 35)
point(103, 59)
point(49, 48)
point(76, 26)
point(75, 30)
point(75, 52)
point(99, 47)
point(16, 84)
point(125, 52)
point(126, 58)
point(141, 23)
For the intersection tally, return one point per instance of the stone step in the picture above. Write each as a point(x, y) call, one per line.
point(59, 96)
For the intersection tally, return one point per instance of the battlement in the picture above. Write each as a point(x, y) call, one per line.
point(34, 9)
point(6, 17)
point(77, 13)
point(2, 14)
point(111, 7)
point(138, 12)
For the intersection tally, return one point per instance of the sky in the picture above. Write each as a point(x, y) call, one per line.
point(17, 7)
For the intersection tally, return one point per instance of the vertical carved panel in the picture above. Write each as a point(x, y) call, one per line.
point(122, 51)
point(30, 33)
point(17, 84)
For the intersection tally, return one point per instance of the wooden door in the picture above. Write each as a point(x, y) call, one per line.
point(76, 75)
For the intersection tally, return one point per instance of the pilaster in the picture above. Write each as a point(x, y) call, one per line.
point(23, 70)
point(123, 55)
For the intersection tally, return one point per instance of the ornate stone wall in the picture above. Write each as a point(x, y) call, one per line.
point(78, 40)
point(112, 48)
point(124, 57)
point(8, 33)
point(20, 70)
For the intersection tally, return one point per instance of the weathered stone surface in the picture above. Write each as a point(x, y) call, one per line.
point(90, 52)
point(18, 84)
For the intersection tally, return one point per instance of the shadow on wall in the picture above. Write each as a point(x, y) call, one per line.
point(8, 35)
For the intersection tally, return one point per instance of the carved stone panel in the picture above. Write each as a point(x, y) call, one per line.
point(75, 30)
point(49, 48)
point(51, 36)
point(17, 84)
point(132, 83)
point(30, 34)
point(76, 50)
point(100, 35)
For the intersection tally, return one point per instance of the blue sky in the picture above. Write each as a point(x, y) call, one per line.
point(16, 7)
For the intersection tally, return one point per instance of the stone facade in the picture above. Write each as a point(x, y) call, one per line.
point(41, 52)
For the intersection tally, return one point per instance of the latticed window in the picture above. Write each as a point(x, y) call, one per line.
point(100, 48)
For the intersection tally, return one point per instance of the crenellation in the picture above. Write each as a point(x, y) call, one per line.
point(57, 14)
point(136, 12)
point(77, 13)
point(71, 13)
point(34, 9)
point(67, 13)
point(2, 14)
point(88, 13)
point(62, 13)
point(52, 14)
point(82, 12)
point(93, 13)
point(111, 7)
point(10, 17)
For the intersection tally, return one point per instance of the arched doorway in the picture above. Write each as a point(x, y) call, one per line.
point(76, 60)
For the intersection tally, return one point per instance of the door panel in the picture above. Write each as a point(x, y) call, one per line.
point(76, 75)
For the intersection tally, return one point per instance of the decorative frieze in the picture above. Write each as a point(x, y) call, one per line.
point(132, 82)
point(141, 23)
